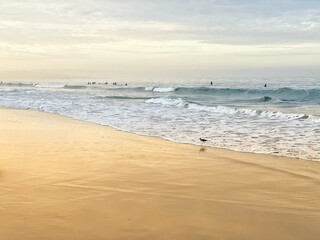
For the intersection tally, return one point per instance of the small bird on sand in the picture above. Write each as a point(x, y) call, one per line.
point(203, 140)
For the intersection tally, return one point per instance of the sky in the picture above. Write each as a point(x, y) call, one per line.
point(158, 38)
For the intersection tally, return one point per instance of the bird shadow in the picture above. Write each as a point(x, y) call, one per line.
point(202, 149)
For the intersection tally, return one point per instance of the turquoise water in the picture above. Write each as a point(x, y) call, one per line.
point(239, 114)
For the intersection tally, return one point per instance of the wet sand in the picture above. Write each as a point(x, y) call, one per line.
point(71, 180)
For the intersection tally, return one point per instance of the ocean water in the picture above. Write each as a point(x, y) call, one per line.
point(238, 114)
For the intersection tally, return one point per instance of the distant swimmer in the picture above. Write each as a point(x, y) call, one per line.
point(265, 85)
point(211, 83)
point(203, 140)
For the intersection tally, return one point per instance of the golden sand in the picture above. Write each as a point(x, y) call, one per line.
point(63, 179)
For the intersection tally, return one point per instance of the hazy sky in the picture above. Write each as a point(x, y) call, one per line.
point(158, 38)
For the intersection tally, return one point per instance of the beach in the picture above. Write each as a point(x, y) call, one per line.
point(67, 179)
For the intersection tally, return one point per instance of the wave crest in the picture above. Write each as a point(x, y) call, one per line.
point(273, 115)
point(160, 89)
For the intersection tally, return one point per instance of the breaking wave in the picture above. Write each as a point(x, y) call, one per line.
point(283, 94)
point(232, 111)
point(160, 89)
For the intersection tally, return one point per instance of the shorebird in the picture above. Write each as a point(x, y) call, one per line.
point(203, 140)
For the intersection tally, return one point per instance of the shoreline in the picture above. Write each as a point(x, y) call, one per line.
point(62, 178)
point(157, 137)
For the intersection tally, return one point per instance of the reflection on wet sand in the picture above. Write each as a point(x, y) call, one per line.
point(202, 150)
point(66, 179)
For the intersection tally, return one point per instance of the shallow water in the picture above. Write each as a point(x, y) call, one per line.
point(239, 114)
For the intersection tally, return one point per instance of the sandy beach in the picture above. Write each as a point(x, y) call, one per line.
point(70, 180)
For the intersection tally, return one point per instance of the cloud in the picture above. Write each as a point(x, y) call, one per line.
point(226, 22)
point(109, 29)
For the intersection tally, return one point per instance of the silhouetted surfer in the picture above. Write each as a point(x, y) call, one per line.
point(265, 85)
point(211, 83)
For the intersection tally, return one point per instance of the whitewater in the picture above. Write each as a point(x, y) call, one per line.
point(280, 119)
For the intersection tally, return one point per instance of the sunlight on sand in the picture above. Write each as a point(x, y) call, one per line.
point(65, 179)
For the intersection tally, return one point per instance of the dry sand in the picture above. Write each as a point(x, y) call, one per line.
point(63, 179)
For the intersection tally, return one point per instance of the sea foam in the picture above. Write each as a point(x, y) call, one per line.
point(280, 121)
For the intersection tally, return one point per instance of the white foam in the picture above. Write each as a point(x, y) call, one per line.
point(228, 110)
point(240, 129)
point(280, 115)
point(149, 88)
point(166, 101)
point(163, 90)
point(50, 86)
point(217, 109)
